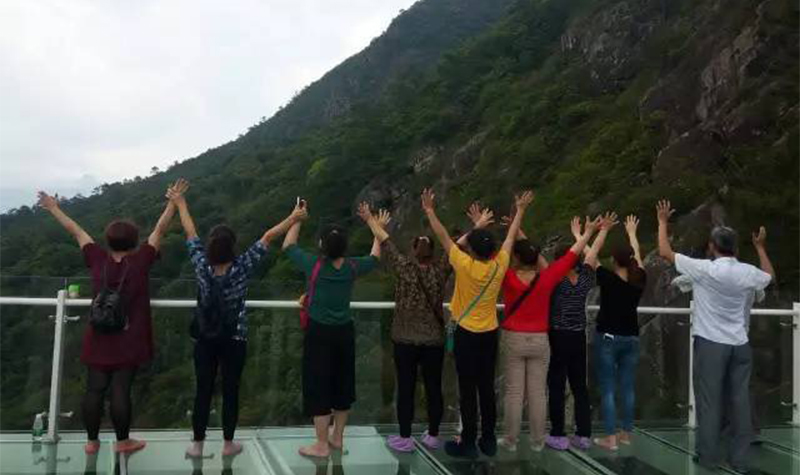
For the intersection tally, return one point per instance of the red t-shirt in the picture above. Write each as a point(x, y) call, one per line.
point(134, 345)
point(532, 316)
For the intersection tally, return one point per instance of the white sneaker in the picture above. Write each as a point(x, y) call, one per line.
point(507, 444)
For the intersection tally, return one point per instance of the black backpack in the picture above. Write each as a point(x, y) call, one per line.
point(213, 318)
point(108, 313)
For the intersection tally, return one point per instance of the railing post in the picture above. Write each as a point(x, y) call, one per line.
point(53, 414)
point(796, 364)
point(692, 421)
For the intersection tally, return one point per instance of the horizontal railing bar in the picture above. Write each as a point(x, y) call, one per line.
point(363, 305)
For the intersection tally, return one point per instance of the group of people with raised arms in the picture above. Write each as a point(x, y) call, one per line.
point(542, 330)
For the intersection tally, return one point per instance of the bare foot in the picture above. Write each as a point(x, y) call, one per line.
point(92, 447)
point(624, 438)
point(336, 444)
point(231, 448)
point(128, 446)
point(608, 442)
point(317, 450)
point(195, 450)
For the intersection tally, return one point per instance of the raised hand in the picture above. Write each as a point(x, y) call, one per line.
point(481, 218)
point(384, 218)
point(300, 211)
point(524, 200)
point(592, 225)
point(47, 202)
point(760, 238)
point(177, 191)
point(428, 199)
point(575, 227)
point(664, 211)
point(364, 211)
point(609, 221)
point(631, 224)
point(474, 212)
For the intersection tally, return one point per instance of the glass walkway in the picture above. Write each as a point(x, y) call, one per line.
point(41, 374)
point(274, 451)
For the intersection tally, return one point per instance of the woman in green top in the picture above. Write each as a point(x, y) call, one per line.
point(329, 344)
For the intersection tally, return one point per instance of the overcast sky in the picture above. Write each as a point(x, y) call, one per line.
point(94, 91)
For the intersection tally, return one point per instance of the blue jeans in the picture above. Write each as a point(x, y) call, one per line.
point(616, 358)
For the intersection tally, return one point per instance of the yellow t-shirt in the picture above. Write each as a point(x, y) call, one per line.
point(472, 276)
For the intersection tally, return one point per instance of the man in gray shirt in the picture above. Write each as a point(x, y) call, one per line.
point(723, 292)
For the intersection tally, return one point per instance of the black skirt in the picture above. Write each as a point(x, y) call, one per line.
point(329, 368)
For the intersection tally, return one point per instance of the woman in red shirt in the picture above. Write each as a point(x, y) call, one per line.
point(526, 295)
point(113, 358)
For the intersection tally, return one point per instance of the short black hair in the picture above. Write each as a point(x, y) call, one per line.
point(220, 245)
point(122, 235)
point(724, 240)
point(334, 241)
point(526, 252)
point(482, 243)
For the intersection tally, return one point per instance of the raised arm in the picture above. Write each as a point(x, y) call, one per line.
point(664, 211)
point(376, 224)
point(161, 226)
point(608, 222)
point(381, 222)
point(50, 203)
point(480, 218)
point(438, 228)
point(177, 195)
point(521, 202)
point(760, 243)
point(298, 214)
point(582, 238)
point(631, 226)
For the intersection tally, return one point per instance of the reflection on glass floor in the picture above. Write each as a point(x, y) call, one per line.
point(785, 437)
point(274, 452)
point(765, 457)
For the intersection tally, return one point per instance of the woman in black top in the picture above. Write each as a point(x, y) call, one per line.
point(617, 339)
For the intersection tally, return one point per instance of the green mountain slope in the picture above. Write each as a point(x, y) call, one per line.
point(596, 104)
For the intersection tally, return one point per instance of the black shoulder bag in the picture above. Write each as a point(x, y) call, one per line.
point(108, 314)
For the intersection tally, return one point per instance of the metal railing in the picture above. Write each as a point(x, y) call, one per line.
point(62, 303)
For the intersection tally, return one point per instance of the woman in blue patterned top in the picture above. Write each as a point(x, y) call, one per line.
point(568, 345)
point(222, 288)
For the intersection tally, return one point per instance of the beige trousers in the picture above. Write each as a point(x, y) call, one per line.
point(525, 358)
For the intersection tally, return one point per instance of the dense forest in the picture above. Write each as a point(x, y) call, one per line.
point(595, 104)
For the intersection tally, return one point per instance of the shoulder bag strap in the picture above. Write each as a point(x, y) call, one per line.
point(312, 283)
point(515, 306)
point(479, 296)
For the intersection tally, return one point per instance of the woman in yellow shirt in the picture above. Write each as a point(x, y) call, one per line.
point(479, 276)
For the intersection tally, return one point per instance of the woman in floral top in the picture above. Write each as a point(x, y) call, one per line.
point(417, 327)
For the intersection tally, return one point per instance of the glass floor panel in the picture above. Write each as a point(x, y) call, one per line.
point(764, 458)
point(524, 462)
point(647, 456)
point(786, 437)
point(274, 452)
point(365, 453)
point(163, 455)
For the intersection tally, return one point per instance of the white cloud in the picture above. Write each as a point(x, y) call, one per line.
point(95, 92)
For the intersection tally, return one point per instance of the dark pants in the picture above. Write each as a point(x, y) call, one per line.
point(98, 382)
point(229, 355)
point(568, 361)
point(329, 368)
point(617, 359)
point(476, 356)
point(721, 382)
point(407, 358)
